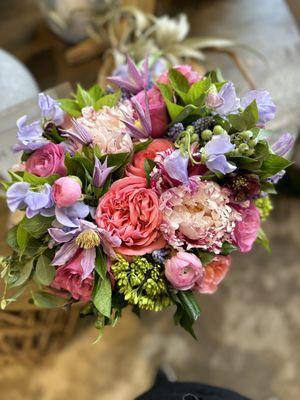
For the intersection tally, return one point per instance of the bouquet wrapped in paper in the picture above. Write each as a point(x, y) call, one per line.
point(135, 195)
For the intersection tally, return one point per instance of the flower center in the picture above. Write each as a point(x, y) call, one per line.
point(88, 239)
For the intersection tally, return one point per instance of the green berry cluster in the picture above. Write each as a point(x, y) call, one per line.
point(207, 134)
point(244, 143)
point(142, 283)
point(264, 206)
point(186, 138)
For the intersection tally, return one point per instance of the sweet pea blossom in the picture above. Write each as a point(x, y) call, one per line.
point(30, 137)
point(225, 102)
point(50, 109)
point(284, 144)
point(213, 154)
point(265, 105)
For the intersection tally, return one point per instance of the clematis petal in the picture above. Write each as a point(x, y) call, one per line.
point(65, 253)
point(88, 262)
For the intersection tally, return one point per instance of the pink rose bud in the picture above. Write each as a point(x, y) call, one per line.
point(183, 270)
point(66, 191)
point(47, 160)
point(214, 273)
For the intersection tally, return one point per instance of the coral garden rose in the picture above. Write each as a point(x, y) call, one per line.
point(183, 270)
point(136, 167)
point(157, 110)
point(130, 211)
point(246, 230)
point(191, 75)
point(47, 160)
point(214, 273)
point(69, 277)
point(107, 129)
point(66, 191)
point(198, 215)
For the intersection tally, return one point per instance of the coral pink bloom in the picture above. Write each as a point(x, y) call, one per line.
point(157, 110)
point(246, 230)
point(66, 191)
point(47, 160)
point(130, 211)
point(136, 168)
point(214, 273)
point(186, 70)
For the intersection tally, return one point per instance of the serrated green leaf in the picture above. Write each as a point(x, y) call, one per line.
point(102, 296)
point(37, 226)
point(96, 92)
point(47, 300)
point(44, 271)
point(84, 99)
point(198, 89)
point(110, 100)
point(273, 164)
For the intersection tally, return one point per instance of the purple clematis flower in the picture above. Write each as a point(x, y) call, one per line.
point(101, 172)
point(265, 105)
point(30, 137)
point(86, 237)
point(284, 144)
point(79, 134)
point(225, 102)
point(213, 153)
point(51, 110)
point(70, 216)
point(142, 127)
point(135, 79)
point(176, 166)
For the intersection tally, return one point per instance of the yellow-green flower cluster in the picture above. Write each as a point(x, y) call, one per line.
point(264, 206)
point(142, 283)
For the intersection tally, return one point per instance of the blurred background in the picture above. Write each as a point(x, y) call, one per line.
point(249, 332)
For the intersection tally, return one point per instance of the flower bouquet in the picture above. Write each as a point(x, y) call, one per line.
point(135, 195)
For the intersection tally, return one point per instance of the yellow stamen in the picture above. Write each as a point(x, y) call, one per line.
point(88, 239)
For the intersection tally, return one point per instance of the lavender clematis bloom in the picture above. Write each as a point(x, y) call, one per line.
point(225, 102)
point(70, 216)
point(265, 105)
point(79, 135)
point(85, 237)
point(40, 202)
point(51, 109)
point(135, 79)
point(16, 195)
point(142, 128)
point(214, 154)
point(30, 137)
point(101, 172)
point(284, 144)
point(176, 166)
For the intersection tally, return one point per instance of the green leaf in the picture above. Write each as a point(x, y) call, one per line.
point(44, 271)
point(182, 319)
point(228, 248)
point(102, 296)
point(237, 122)
point(70, 107)
point(185, 113)
point(178, 80)
point(96, 92)
point(115, 160)
point(4, 184)
point(22, 238)
point(84, 99)
point(101, 264)
point(149, 164)
point(110, 100)
point(37, 180)
point(189, 304)
point(12, 238)
point(268, 187)
point(273, 164)
point(37, 226)
point(48, 300)
point(198, 89)
point(250, 115)
point(173, 109)
point(141, 145)
point(216, 76)
point(24, 274)
point(263, 240)
point(205, 256)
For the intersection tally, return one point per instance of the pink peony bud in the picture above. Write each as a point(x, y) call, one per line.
point(66, 191)
point(183, 270)
point(214, 273)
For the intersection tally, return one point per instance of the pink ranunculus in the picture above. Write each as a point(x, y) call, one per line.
point(130, 211)
point(214, 273)
point(136, 167)
point(47, 160)
point(186, 70)
point(157, 110)
point(246, 230)
point(66, 191)
point(69, 277)
point(183, 270)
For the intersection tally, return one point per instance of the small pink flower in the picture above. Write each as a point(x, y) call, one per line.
point(66, 191)
point(47, 160)
point(214, 273)
point(246, 230)
point(157, 110)
point(183, 270)
point(69, 277)
point(186, 70)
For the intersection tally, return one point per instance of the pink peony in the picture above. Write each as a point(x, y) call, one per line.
point(47, 160)
point(107, 129)
point(136, 167)
point(130, 211)
point(214, 273)
point(186, 70)
point(69, 277)
point(66, 191)
point(183, 270)
point(157, 110)
point(197, 215)
point(246, 230)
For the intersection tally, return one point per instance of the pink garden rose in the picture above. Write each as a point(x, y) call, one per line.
point(157, 109)
point(136, 167)
point(69, 277)
point(47, 160)
point(246, 230)
point(214, 273)
point(183, 270)
point(186, 70)
point(130, 211)
point(66, 191)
